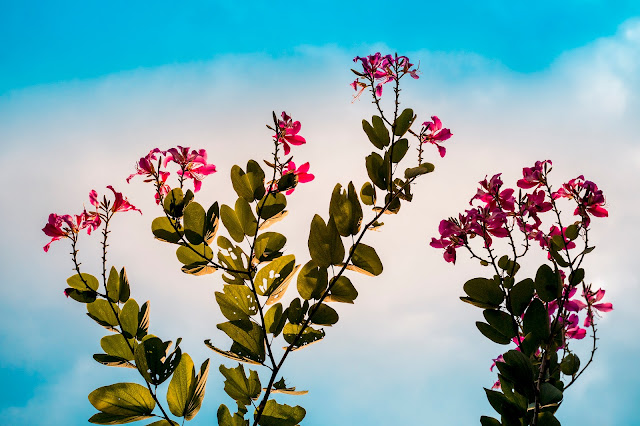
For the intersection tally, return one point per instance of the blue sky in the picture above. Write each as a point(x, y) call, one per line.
point(87, 89)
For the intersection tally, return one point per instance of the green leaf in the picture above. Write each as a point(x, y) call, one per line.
point(103, 312)
point(377, 170)
point(324, 315)
point(191, 254)
point(231, 221)
point(570, 364)
point(198, 268)
point(113, 285)
point(175, 202)
point(274, 320)
point(237, 302)
point(309, 335)
point(296, 311)
point(520, 296)
point(84, 283)
point(547, 419)
point(536, 320)
point(163, 423)
point(229, 354)
point(163, 229)
point(249, 339)
point(325, 244)
point(125, 289)
point(125, 399)
point(241, 183)
point(226, 419)
point(268, 246)
point(400, 149)
point(345, 210)
point(502, 322)
point(88, 296)
point(422, 169)
point(287, 181)
point(195, 223)
point(372, 135)
point(246, 217)
point(143, 321)
point(112, 361)
point(270, 205)
point(489, 421)
point(312, 281)
point(517, 368)
point(492, 334)
point(381, 130)
point(368, 194)
point(198, 394)
point(255, 176)
point(572, 232)
point(576, 277)
point(273, 274)
point(129, 318)
point(238, 386)
point(549, 394)
point(153, 362)
point(548, 283)
point(116, 345)
point(477, 303)
point(366, 259)
point(275, 414)
point(404, 121)
point(485, 291)
point(342, 291)
point(181, 386)
point(115, 419)
point(211, 223)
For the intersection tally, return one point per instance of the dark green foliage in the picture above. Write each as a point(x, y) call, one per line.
point(520, 296)
point(275, 414)
point(309, 335)
point(274, 274)
point(165, 229)
point(345, 210)
point(226, 419)
point(570, 364)
point(484, 291)
point(377, 133)
point(404, 121)
point(129, 318)
point(104, 313)
point(422, 169)
point(275, 319)
point(342, 291)
point(502, 322)
point(400, 149)
point(122, 399)
point(248, 339)
point(492, 334)
point(549, 394)
point(576, 277)
point(366, 260)
point(548, 283)
point(489, 421)
point(192, 254)
point(88, 296)
point(270, 205)
point(152, 360)
point(312, 281)
point(195, 223)
point(268, 246)
point(231, 221)
point(176, 201)
point(536, 320)
point(377, 170)
point(83, 282)
point(324, 315)
point(368, 194)
point(547, 419)
point(325, 244)
point(237, 302)
point(238, 386)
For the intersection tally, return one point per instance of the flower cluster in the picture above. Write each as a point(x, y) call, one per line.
point(288, 133)
point(378, 70)
point(68, 226)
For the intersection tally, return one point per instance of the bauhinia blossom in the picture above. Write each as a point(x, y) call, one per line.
point(432, 132)
point(300, 173)
point(288, 133)
point(193, 164)
point(590, 200)
point(379, 70)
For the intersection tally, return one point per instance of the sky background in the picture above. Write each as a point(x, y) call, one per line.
point(87, 88)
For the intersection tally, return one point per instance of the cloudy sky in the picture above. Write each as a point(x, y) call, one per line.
point(86, 89)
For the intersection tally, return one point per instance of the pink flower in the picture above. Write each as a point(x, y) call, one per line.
point(121, 204)
point(288, 133)
point(432, 132)
point(382, 70)
point(145, 166)
point(454, 233)
point(533, 176)
point(54, 228)
point(193, 165)
point(573, 331)
point(591, 298)
point(300, 173)
point(489, 192)
point(589, 198)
